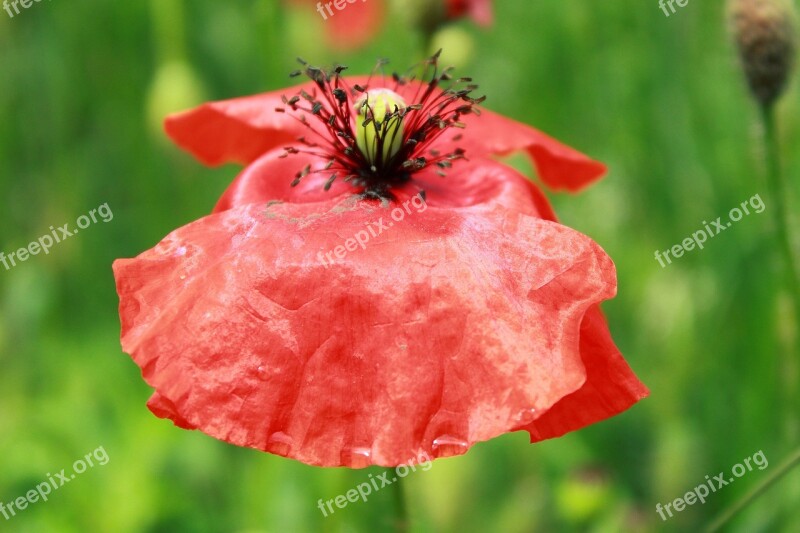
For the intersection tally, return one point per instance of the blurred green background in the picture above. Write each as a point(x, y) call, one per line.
point(83, 87)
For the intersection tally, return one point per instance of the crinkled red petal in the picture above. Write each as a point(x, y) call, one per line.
point(451, 325)
point(610, 387)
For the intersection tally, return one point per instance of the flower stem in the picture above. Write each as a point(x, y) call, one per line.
point(428, 34)
point(782, 469)
point(169, 29)
point(400, 522)
point(779, 194)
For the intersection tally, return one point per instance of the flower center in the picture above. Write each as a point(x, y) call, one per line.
point(379, 128)
point(371, 137)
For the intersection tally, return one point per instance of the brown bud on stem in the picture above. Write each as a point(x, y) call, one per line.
point(764, 32)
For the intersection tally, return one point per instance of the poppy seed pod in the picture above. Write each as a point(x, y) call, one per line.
point(379, 132)
point(764, 32)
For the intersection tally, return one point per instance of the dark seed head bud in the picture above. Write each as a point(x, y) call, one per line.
point(765, 35)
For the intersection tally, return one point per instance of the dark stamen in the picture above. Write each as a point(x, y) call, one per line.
point(433, 110)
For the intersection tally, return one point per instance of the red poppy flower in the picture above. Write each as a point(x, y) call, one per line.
point(478, 10)
point(357, 23)
point(347, 303)
point(350, 27)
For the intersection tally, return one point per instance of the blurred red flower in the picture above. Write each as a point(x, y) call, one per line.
point(351, 27)
point(478, 10)
point(469, 314)
point(357, 23)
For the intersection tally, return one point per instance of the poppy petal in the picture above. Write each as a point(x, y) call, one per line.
point(452, 326)
point(611, 387)
point(233, 131)
point(471, 182)
point(558, 165)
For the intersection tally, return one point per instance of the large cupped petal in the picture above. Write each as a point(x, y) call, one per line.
point(611, 387)
point(347, 333)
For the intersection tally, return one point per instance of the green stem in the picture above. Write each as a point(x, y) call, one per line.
point(273, 24)
point(428, 34)
point(169, 29)
point(782, 469)
point(400, 522)
point(779, 194)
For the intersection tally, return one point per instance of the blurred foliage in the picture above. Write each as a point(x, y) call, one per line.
point(659, 99)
